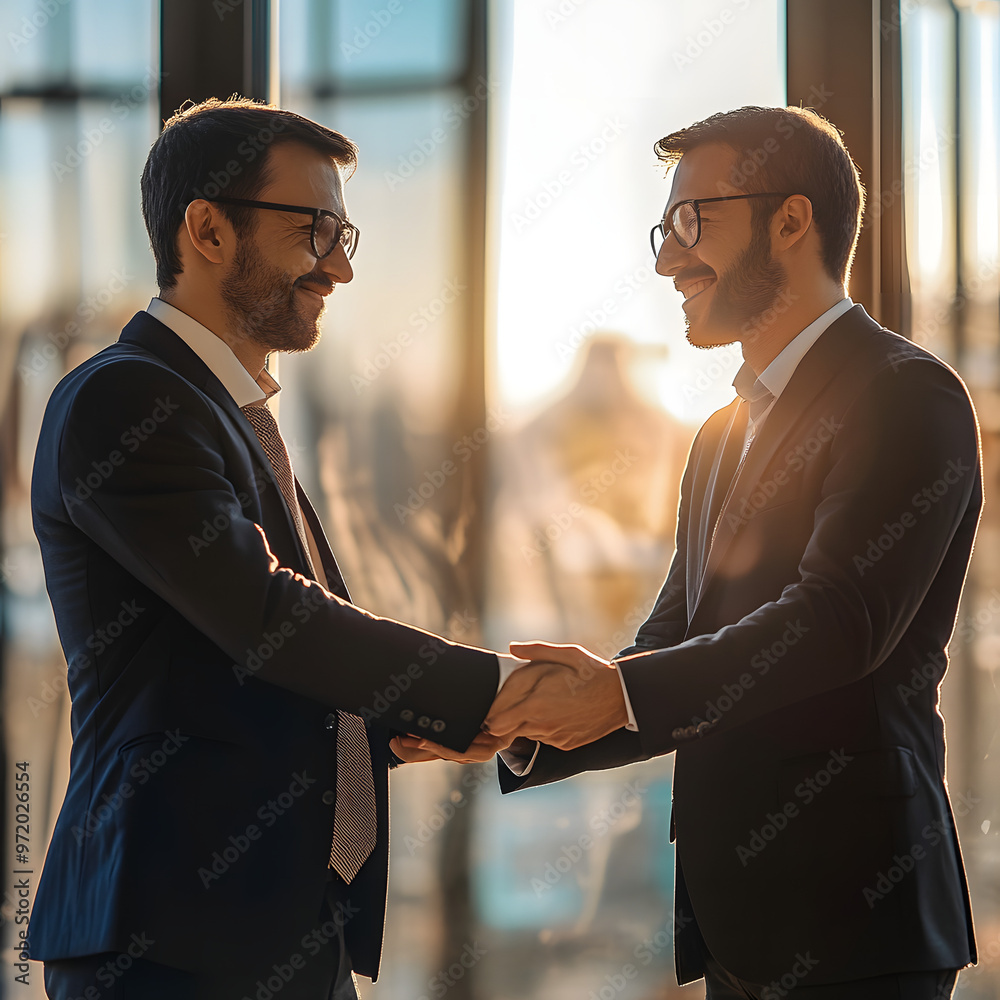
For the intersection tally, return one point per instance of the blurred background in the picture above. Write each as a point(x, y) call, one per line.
point(494, 424)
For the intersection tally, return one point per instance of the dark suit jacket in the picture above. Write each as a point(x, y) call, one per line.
point(203, 670)
point(794, 664)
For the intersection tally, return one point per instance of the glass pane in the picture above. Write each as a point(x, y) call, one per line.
point(79, 86)
point(950, 107)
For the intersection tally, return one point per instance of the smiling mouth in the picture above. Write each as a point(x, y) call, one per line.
point(696, 288)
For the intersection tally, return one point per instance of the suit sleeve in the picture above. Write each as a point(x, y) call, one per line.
point(147, 448)
point(903, 464)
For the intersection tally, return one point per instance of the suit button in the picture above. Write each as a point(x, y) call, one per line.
point(329, 798)
point(424, 721)
point(406, 715)
point(330, 722)
point(438, 725)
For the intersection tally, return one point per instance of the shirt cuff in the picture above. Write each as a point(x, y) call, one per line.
point(520, 756)
point(508, 664)
point(632, 726)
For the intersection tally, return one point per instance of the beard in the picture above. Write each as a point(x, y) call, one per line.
point(746, 290)
point(261, 303)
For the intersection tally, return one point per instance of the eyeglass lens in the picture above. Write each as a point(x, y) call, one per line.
point(327, 232)
point(685, 224)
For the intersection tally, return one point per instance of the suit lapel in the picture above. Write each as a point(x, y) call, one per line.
point(785, 421)
point(334, 578)
point(149, 333)
point(719, 479)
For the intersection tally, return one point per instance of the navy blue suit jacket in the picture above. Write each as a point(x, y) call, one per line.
point(203, 669)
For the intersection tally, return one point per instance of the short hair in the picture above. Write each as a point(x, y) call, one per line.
point(791, 150)
point(218, 147)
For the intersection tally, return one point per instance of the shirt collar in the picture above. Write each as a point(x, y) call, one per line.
point(779, 372)
point(216, 354)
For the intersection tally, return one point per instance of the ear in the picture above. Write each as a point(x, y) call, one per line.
point(209, 231)
point(792, 221)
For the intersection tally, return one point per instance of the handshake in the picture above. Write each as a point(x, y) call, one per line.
point(565, 696)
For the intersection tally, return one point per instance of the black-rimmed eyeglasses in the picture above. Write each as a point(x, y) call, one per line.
point(328, 228)
point(684, 220)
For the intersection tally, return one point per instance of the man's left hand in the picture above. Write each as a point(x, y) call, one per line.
point(566, 697)
point(414, 749)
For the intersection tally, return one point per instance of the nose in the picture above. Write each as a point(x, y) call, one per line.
point(671, 256)
point(336, 266)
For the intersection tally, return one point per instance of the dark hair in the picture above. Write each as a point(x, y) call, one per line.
point(793, 150)
point(218, 147)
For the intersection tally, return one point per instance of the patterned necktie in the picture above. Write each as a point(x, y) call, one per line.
point(354, 821)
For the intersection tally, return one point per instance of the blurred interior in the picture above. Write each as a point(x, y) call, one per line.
point(494, 424)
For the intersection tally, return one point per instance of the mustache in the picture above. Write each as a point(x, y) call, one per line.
point(694, 274)
point(322, 287)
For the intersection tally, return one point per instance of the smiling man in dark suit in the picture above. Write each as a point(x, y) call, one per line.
point(793, 657)
point(225, 828)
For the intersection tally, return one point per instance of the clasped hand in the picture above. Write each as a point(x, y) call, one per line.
point(565, 697)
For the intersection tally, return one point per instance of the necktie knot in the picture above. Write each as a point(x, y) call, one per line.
point(753, 391)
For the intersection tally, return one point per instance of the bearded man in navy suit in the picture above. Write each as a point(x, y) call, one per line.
point(225, 828)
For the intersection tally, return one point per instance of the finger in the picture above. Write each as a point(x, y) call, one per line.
point(507, 720)
point(409, 754)
point(550, 651)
